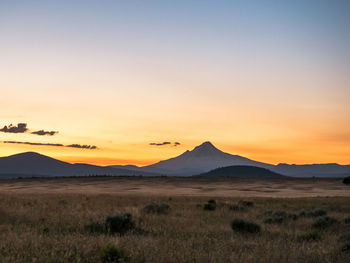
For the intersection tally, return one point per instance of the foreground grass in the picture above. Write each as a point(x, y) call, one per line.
point(51, 228)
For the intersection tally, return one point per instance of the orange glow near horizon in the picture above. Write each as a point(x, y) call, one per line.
point(271, 84)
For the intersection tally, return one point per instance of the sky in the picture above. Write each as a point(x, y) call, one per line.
point(268, 80)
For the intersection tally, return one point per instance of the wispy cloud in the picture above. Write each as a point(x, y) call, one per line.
point(91, 147)
point(20, 128)
point(36, 143)
point(42, 132)
point(159, 144)
point(88, 147)
point(164, 143)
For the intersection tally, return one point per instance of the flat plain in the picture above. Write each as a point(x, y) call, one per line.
point(179, 186)
point(45, 220)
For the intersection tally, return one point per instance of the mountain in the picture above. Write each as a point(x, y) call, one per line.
point(310, 170)
point(241, 171)
point(30, 164)
point(207, 157)
point(202, 158)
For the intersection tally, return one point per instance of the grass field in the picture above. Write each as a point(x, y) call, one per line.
point(46, 220)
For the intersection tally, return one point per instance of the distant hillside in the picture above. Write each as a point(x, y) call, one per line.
point(201, 159)
point(241, 171)
point(31, 164)
point(316, 170)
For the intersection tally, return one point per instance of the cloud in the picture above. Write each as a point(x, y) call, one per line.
point(42, 132)
point(159, 144)
point(164, 143)
point(20, 128)
point(89, 147)
point(36, 143)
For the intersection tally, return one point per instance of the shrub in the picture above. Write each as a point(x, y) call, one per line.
point(346, 247)
point(274, 220)
point(347, 220)
point(95, 227)
point(246, 203)
point(346, 180)
point(235, 207)
point(275, 217)
point(293, 216)
point(309, 236)
point(210, 205)
point(244, 226)
point(156, 208)
point(63, 202)
point(313, 213)
point(268, 213)
point(211, 201)
point(119, 224)
point(319, 212)
point(279, 213)
point(324, 222)
point(111, 253)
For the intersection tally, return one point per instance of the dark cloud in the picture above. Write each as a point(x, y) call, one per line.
point(159, 144)
point(164, 143)
point(42, 132)
point(36, 143)
point(20, 128)
point(89, 147)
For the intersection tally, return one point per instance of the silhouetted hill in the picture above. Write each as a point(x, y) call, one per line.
point(201, 159)
point(30, 164)
point(310, 170)
point(241, 171)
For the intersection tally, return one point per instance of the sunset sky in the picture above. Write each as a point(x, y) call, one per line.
point(269, 80)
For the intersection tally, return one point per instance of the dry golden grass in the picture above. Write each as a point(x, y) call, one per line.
point(48, 226)
point(180, 186)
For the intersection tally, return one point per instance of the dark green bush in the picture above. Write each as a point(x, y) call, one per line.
point(274, 220)
point(246, 203)
point(275, 217)
point(347, 220)
point(346, 247)
point(324, 222)
point(309, 236)
point(209, 206)
point(211, 201)
point(279, 213)
point(293, 216)
point(119, 224)
point(313, 213)
point(156, 208)
point(235, 208)
point(346, 180)
point(244, 226)
point(111, 253)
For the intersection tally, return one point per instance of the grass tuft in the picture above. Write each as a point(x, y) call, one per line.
point(111, 254)
point(154, 208)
